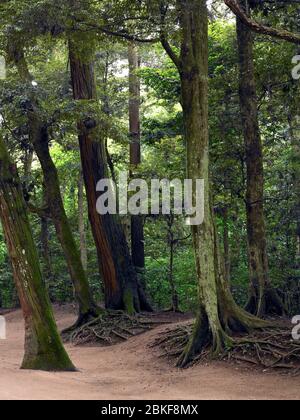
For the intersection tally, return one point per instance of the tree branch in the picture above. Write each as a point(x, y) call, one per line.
point(169, 50)
point(129, 37)
point(43, 212)
point(259, 28)
point(163, 37)
point(120, 34)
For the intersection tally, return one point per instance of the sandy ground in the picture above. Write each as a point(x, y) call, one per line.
point(130, 371)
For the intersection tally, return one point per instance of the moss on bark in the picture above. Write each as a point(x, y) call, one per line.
point(218, 315)
point(43, 346)
point(39, 137)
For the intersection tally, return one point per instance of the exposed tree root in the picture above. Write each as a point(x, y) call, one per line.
point(267, 348)
point(110, 328)
point(174, 341)
point(83, 319)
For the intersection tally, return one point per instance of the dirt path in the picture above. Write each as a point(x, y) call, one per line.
point(129, 371)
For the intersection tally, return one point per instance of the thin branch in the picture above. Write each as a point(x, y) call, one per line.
point(6, 125)
point(120, 34)
point(43, 212)
point(163, 37)
point(259, 28)
point(169, 50)
point(129, 37)
point(182, 239)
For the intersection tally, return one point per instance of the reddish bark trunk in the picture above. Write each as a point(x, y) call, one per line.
point(122, 289)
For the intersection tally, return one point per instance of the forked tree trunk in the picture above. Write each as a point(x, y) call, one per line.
point(218, 314)
point(122, 289)
point(137, 224)
point(39, 138)
point(43, 347)
point(264, 299)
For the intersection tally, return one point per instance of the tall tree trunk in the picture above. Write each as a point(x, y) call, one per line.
point(226, 245)
point(122, 289)
point(39, 138)
point(43, 347)
point(264, 299)
point(28, 159)
point(294, 122)
point(172, 243)
point(48, 272)
point(81, 222)
point(218, 314)
point(137, 224)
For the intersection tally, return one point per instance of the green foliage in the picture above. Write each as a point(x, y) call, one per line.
point(185, 279)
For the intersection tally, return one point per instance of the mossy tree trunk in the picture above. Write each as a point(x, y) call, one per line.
point(264, 299)
point(39, 137)
point(218, 314)
point(43, 347)
point(137, 223)
point(226, 244)
point(122, 288)
point(45, 249)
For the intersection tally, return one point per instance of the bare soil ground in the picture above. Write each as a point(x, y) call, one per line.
point(130, 370)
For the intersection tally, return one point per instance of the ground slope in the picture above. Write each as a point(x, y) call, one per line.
point(129, 370)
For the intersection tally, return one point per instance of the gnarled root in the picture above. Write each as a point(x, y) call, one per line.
point(83, 319)
point(217, 336)
point(110, 328)
point(268, 348)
